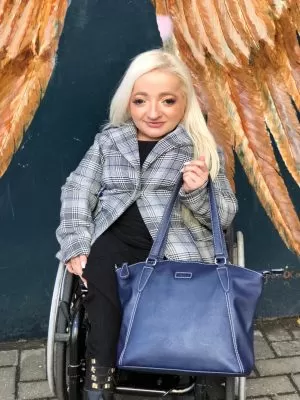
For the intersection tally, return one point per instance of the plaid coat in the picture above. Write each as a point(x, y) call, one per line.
point(109, 179)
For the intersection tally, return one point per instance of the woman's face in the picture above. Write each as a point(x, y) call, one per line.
point(157, 104)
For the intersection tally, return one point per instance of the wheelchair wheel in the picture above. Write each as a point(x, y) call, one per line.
point(239, 259)
point(61, 348)
point(58, 336)
point(67, 334)
point(235, 387)
point(66, 337)
point(75, 351)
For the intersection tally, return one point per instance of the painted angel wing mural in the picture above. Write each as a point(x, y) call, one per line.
point(29, 34)
point(244, 56)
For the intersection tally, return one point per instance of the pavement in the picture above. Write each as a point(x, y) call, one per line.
point(276, 375)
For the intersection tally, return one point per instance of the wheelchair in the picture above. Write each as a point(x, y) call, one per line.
point(67, 332)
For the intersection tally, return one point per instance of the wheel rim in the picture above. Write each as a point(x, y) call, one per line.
point(52, 326)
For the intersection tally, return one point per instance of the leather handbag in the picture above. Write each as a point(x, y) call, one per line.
point(186, 316)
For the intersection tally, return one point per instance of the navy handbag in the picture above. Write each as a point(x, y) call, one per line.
point(188, 317)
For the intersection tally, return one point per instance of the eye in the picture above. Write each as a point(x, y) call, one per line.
point(138, 101)
point(169, 102)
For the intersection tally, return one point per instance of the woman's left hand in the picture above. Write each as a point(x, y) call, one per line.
point(195, 174)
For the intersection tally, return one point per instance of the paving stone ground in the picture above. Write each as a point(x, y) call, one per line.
point(276, 375)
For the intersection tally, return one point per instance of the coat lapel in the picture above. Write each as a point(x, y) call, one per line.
point(126, 141)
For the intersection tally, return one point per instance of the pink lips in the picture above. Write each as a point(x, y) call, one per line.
point(155, 124)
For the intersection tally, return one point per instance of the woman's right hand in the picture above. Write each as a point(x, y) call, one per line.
point(76, 266)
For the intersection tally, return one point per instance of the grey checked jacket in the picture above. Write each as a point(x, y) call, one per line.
point(109, 179)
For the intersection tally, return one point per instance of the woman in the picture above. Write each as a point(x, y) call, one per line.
point(113, 202)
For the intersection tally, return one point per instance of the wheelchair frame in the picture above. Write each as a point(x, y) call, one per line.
point(67, 333)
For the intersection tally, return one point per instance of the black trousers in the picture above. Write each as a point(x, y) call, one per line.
point(102, 301)
point(104, 315)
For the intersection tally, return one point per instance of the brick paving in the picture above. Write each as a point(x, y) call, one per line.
point(276, 375)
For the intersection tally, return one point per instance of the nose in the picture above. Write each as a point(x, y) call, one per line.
point(153, 111)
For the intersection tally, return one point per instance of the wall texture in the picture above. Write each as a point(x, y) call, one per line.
point(98, 40)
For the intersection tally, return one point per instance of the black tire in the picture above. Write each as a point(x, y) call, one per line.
point(61, 386)
point(76, 348)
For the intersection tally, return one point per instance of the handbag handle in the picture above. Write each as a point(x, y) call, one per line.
point(158, 247)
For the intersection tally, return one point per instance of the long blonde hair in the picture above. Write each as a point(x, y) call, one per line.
point(193, 120)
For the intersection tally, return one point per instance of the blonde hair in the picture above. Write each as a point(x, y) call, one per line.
point(193, 120)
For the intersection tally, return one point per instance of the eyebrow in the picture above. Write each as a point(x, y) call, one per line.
point(161, 94)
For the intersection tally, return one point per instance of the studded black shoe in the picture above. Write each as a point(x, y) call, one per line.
point(99, 381)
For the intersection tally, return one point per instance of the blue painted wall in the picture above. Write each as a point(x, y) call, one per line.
point(98, 40)
point(264, 248)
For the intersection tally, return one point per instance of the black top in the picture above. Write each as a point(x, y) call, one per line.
point(126, 240)
point(130, 227)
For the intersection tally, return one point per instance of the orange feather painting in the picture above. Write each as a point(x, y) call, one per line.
point(29, 35)
point(244, 57)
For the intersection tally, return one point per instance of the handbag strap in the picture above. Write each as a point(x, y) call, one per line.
point(220, 249)
point(158, 247)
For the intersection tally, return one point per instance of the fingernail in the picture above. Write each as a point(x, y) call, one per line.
point(186, 163)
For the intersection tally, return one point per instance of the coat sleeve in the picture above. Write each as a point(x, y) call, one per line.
point(198, 200)
point(79, 198)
